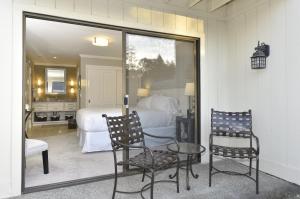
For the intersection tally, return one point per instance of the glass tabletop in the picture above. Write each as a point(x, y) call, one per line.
point(186, 148)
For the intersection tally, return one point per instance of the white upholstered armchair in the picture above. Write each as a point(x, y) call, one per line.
point(35, 147)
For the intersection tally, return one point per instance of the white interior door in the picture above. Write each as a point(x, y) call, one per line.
point(94, 90)
point(109, 88)
point(104, 86)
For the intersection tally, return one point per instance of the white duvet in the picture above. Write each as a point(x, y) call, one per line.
point(90, 119)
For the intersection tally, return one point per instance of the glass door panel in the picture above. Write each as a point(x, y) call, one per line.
point(160, 82)
point(69, 83)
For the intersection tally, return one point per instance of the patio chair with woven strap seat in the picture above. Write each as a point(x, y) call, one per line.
point(233, 125)
point(126, 132)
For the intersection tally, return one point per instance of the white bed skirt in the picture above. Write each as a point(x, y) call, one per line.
point(100, 141)
point(94, 141)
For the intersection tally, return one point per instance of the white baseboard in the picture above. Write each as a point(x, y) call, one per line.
point(285, 172)
point(280, 170)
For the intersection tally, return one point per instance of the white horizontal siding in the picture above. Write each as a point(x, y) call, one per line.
point(125, 12)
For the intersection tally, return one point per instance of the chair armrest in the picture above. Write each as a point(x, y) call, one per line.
point(257, 143)
point(164, 137)
point(136, 147)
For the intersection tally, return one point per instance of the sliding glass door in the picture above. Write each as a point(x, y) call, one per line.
point(161, 81)
point(69, 82)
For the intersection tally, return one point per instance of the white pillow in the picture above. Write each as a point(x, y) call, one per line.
point(174, 105)
point(144, 103)
point(164, 103)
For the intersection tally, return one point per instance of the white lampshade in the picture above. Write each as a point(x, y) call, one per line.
point(100, 41)
point(189, 89)
point(142, 92)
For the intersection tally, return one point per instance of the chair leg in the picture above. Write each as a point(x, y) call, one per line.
point(144, 172)
point(187, 172)
point(115, 183)
point(152, 184)
point(257, 176)
point(177, 176)
point(250, 167)
point(45, 162)
point(210, 168)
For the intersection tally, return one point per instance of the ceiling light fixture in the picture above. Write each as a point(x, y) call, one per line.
point(54, 57)
point(100, 41)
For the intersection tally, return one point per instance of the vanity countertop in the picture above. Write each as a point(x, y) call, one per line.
point(54, 106)
point(49, 101)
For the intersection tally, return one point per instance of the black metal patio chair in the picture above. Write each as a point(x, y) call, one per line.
point(233, 125)
point(126, 132)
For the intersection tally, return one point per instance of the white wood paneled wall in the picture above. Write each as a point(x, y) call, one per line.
point(213, 78)
point(125, 13)
point(272, 93)
point(6, 99)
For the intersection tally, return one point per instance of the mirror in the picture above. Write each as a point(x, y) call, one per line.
point(55, 81)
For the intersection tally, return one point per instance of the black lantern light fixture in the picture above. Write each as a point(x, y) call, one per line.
point(259, 57)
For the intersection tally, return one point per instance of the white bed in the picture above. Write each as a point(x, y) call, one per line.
point(157, 114)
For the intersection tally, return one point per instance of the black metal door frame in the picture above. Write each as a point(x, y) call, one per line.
point(124, 31)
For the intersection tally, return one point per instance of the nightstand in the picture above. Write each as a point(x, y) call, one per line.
point(185, 126)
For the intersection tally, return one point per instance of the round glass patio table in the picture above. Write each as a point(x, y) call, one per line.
point(188, 149)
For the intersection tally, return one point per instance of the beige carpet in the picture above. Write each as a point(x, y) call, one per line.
point(66, 162)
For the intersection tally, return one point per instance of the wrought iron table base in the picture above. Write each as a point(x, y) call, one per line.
point(189, 169)
point(145, 187)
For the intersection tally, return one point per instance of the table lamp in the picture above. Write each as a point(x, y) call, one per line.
point(190, 92)
point(142, 92)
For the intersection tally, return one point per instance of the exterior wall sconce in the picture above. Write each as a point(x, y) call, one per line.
point(259, 57)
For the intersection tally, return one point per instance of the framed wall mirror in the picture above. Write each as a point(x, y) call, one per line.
point(55, 81)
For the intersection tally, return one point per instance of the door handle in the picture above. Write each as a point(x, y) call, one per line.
point(89, 101)
point(126, 101)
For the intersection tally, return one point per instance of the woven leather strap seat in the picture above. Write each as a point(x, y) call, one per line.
point(234, 152)
point(162, 160)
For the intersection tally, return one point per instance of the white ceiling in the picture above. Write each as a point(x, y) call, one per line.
point(200, 6)
point(47, 39)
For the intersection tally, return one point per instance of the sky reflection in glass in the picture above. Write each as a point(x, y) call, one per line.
point(144, 48)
